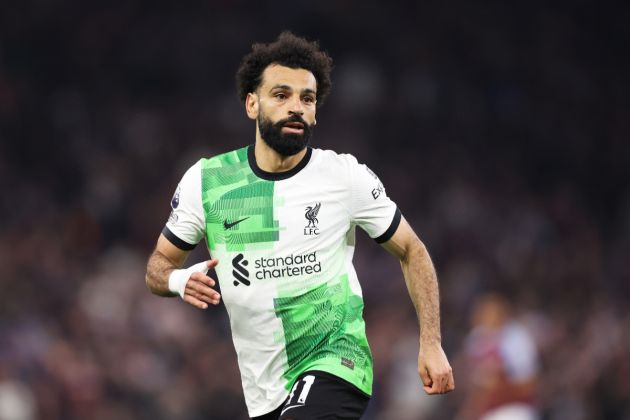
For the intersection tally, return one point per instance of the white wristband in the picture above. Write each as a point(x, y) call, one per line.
point(178, 278)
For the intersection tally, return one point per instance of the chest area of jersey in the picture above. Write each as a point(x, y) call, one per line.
point(267, 215)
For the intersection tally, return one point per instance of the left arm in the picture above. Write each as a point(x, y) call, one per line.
point(433, 366)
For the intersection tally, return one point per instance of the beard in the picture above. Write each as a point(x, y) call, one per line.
point(284, 144)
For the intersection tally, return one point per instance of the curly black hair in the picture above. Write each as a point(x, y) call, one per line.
point(290, 51)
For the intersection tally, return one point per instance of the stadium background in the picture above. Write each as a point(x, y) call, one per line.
point(502, 131)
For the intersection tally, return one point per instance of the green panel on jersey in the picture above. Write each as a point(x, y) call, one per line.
point(234, 197)
point(324, 327)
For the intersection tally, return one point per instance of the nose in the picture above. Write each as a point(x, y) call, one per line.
point(296, 106)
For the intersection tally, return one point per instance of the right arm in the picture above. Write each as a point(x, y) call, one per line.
point(184, 229)
point(165, 259)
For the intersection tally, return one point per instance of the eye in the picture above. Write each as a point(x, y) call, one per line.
point(281, 96)
point(309, 99)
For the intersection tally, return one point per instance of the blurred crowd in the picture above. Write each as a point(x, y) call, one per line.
point(502, 131)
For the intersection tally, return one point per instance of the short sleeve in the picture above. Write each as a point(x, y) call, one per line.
point(371, 208)
point(185, 226)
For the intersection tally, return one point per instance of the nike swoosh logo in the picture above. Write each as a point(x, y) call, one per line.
point(227, 225)
point(290, 407)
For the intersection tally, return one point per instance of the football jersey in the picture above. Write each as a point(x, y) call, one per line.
point(285, 243)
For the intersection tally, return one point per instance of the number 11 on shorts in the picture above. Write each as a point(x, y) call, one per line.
point(306, 387)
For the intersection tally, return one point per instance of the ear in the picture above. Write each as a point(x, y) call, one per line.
point(251, 105)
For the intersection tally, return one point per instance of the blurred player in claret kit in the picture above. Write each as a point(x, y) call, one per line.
point(501, 362)
point(279, 221)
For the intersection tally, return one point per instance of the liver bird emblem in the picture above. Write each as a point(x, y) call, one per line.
point(311, 215)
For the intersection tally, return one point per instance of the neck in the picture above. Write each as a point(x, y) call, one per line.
point(269, 160)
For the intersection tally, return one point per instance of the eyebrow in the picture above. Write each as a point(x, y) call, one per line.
point(287, 87)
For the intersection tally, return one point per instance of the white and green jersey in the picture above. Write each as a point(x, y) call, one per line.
point(285, 243)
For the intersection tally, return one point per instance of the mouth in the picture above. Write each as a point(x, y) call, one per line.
point(293, 127)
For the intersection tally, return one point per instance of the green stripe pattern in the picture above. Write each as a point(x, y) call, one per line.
point(231, 192)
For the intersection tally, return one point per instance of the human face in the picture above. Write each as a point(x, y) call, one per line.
point(284, 107)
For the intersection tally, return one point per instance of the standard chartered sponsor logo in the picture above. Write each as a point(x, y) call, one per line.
point(289, 266)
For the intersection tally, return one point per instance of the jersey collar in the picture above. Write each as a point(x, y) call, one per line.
point(277, 176)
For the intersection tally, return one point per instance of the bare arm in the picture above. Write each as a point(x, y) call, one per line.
point(164, 260)
point(421, 280)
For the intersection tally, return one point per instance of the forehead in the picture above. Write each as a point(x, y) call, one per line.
point(297, 79)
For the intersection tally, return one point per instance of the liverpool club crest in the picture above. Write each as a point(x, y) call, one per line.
point(311, 215)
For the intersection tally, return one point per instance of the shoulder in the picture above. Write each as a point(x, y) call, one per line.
point(345, 163)
point(330, 159)
point(233, 157)
point(192, 173)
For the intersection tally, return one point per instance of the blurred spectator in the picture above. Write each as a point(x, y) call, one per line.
point(501, 369)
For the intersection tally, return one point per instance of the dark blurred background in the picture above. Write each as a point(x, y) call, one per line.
point(502, 130)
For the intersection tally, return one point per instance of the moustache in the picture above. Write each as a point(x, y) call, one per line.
point(293, 119)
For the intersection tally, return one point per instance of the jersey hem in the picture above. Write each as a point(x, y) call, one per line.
point(267, 410)
point(344, 374)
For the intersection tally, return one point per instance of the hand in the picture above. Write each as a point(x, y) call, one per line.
point(434, 370)
point(198, 291)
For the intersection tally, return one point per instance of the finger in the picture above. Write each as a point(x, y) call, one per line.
point(200, 277)
point(434, 389)
point(212, 263)
point(199, 296)
point(430, 381)
point(201, 287)
point(451, 382)
point(448, 383)
point(203, 292)
point(425, 377)
point(214, 298)
point(441, 383)
point(195, 302)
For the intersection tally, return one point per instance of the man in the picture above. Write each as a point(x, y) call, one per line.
point(502, 364)
point(281, 216)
